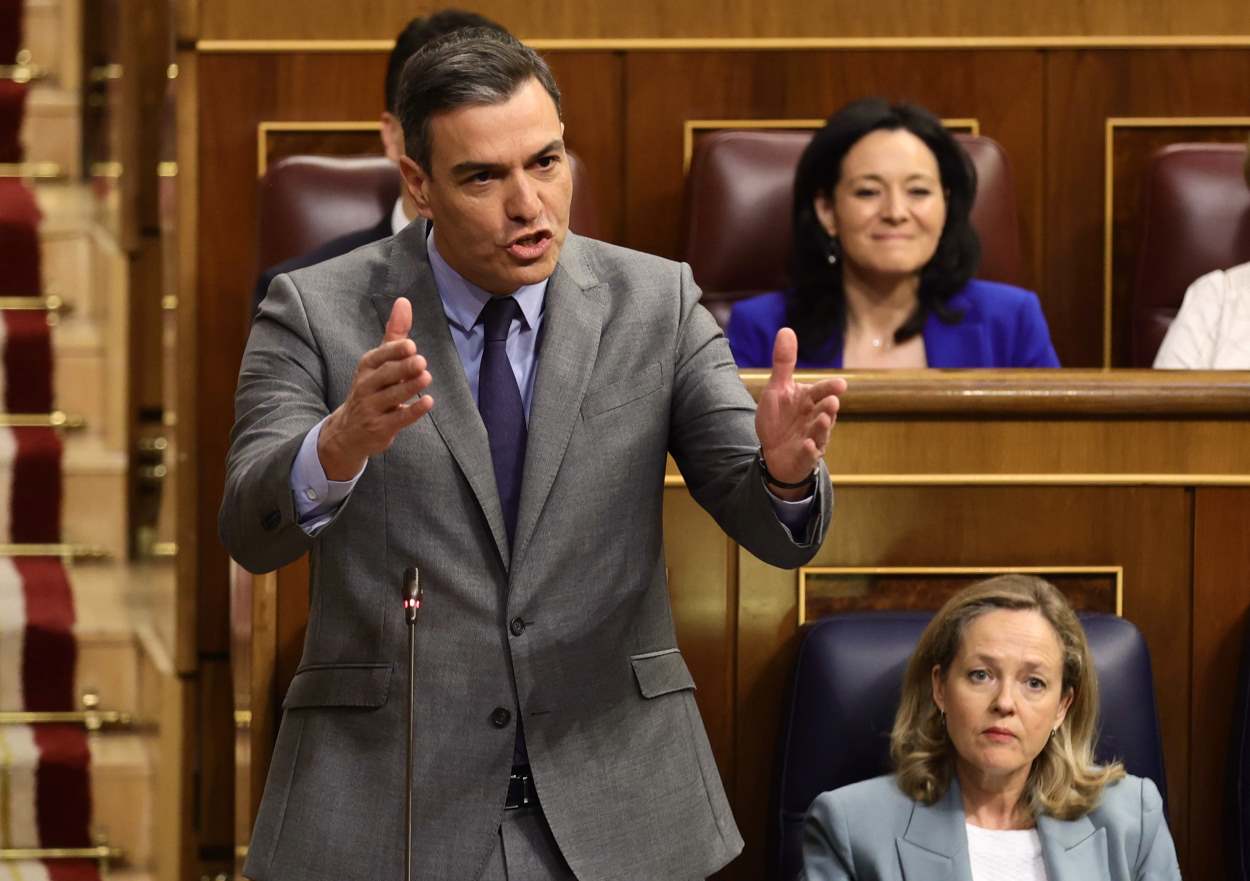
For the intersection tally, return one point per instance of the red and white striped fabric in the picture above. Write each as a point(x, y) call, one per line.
point(45, 786)
point(45, 783)
point(30, 481)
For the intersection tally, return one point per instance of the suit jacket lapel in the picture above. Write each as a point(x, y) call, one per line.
point(935, 846)
point(572, 323)
point(1073, 850)
point(455, 414)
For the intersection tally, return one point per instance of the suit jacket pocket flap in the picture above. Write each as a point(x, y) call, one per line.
point(352, 685)
point(661, 672)
point(622, 392)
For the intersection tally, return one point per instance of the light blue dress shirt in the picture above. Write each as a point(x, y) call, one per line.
point(317, 498)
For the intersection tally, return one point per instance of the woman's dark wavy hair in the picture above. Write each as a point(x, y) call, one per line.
point(815, 305)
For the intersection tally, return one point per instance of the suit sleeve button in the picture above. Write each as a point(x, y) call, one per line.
point(500, 717)
point(517, 626)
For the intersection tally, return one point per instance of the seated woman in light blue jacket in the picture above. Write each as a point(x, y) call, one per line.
point(995, 772)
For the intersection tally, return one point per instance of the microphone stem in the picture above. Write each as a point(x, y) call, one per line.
point(412, 730)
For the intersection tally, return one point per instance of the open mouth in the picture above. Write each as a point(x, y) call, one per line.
point(532, 246)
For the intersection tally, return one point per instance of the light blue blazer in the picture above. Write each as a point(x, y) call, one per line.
point(871, 831)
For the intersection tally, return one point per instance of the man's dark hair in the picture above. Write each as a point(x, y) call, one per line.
point(816, 305)
point(421, 31)
point(466, 68)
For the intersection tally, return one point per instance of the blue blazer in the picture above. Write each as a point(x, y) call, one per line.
point(1003, 326)
point(871, 831)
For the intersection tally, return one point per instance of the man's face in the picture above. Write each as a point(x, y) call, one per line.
point(498, 189)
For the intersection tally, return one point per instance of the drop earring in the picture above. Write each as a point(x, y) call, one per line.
point(831, 253)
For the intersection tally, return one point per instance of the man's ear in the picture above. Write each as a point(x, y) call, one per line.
point(418, 183)
point(392, 137)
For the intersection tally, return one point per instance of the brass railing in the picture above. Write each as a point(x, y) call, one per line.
point(24, 71)
point(67, 551)
point(103, 854)
point(33, 170)
point(51, 304)
point(92, 720)
point(90, 716)
point(55, 419)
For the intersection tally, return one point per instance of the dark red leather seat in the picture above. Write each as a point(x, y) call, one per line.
point(738, 199)
point(305, 201)
point(1195, 218)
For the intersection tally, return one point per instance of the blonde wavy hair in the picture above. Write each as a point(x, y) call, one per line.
point(1065, 782)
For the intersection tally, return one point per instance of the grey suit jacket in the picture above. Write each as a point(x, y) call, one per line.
point(569, 630)
point(871, 831)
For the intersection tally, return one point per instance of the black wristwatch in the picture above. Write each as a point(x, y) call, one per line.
point(806, 483)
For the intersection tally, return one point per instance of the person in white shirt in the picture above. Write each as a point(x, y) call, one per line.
point(993, 748)
point(1212, 329)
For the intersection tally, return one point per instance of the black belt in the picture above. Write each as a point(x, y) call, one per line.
point(521, 791)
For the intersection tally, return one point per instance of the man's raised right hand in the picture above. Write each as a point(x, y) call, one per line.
point(380, 403)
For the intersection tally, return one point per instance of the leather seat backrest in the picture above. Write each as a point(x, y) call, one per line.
point(1195, 219)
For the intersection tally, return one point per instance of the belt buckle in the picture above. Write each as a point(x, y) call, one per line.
point(520, 791)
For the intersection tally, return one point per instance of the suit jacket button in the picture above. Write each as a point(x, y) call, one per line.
point(271, 520)
point(517, 626)
point(500, 717)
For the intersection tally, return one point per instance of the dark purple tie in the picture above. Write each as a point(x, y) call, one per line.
point(499, 402)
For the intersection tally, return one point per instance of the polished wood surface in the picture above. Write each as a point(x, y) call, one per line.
point(382, 19)
point(1221, 600)
point(1053, 393)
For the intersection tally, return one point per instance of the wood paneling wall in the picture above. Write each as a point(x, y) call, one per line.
point(568, 19)
point(1048, 105)
point(626, 111)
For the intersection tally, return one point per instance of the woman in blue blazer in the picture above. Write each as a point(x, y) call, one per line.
point(884, 253)
point(995, 776)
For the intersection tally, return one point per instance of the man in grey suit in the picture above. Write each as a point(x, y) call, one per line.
point(507, 436)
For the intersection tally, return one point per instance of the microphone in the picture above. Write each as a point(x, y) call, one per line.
point(412, 606)
point(412, 594)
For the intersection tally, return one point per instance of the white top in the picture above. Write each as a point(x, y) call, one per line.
point(398, 218)
point(1005, 854)
point(1212, 328)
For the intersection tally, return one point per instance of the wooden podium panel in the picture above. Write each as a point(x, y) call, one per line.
point(1129, 489)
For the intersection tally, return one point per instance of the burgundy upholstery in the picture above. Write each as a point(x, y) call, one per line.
point(738, 200)
point(305, 201)
point(19, 240)
point(1195, 218)
point(10, 30)
point(12, 112)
